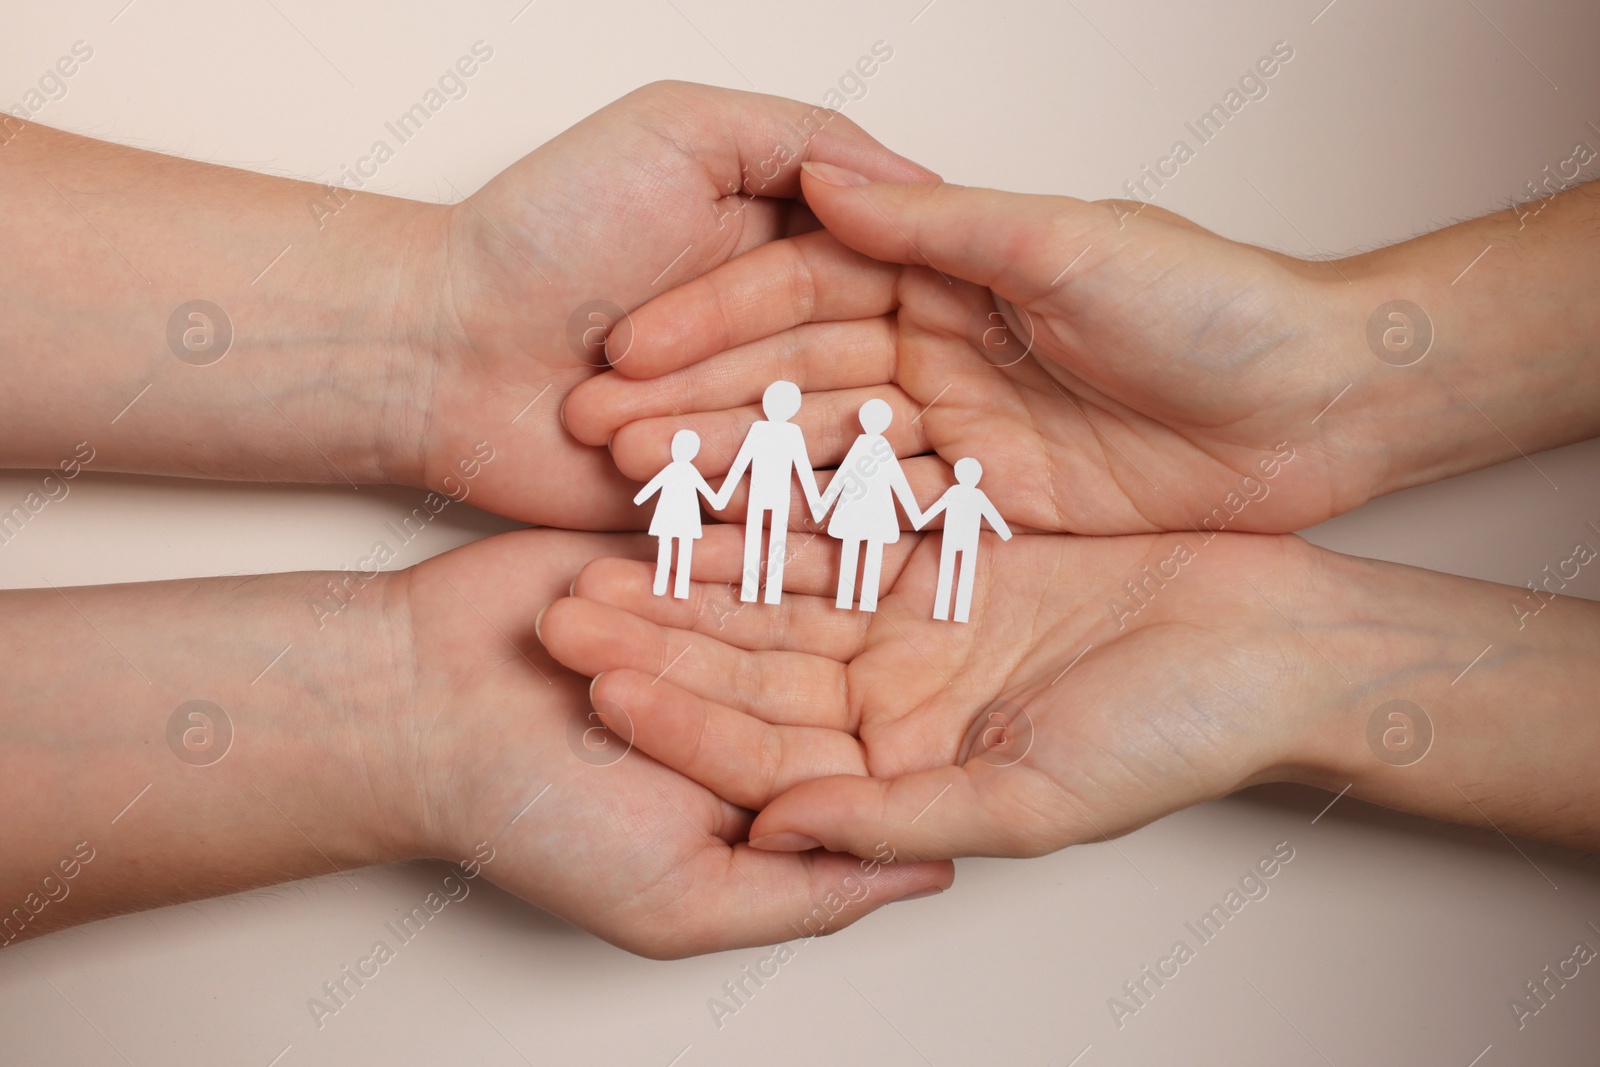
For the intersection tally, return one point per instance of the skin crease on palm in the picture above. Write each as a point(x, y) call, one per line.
point(657, 188)
point(758, 701)
point(1164, 365)
point(628, 848)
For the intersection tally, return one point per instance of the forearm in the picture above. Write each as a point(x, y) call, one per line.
point(1504, 680)
point(1514, 362)
point(297, 776)
point(106, 251)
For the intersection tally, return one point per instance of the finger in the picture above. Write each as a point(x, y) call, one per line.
point(1015, 243)
point(828, 420)
point(809, 624)
point(593, 638)
point(506, 578)
point(744, 897)
point(817, 357)
point(978, 809)
point(740, 757)
point(810, 278)
point(756, 142)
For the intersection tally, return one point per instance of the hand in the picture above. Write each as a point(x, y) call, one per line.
point(661, 186)
point(1154, 376)
point(620, 845)
point(1205, 690)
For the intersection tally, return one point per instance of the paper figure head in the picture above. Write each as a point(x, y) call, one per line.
point(685, 445)
point(781, 401)
point(876, 415)
point(968, 471)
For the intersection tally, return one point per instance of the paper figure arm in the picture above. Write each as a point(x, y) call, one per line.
point(652, 487)
point(730, 481)
point(902, 489)
point(704, 488)
point(942, 504)
point(987, 509)
point(808, 480)
point(835, 485)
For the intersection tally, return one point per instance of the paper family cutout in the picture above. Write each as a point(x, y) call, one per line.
point(861, 496)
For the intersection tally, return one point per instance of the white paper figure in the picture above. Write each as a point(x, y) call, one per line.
point(965, 506)
point(866, 486)
point(677, 516)
point(773, 450)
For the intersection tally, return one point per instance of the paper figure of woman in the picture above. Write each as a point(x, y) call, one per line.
point(865, 487)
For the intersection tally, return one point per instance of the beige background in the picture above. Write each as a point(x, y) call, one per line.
point(1387, 940)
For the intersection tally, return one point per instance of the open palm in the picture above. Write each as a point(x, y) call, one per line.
point(1059, 717)
point(503, 753)
point(1153, 375)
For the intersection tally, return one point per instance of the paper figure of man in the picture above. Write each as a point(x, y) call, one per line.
point(965, 507)
point(773, 452)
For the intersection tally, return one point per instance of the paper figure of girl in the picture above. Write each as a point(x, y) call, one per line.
point(866, 486)
point(677, 516)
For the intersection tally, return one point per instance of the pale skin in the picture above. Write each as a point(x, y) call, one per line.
point(1169, 368)
point(387, 349)
point(1166, 364)
point(1261, 660)
point(381, 347)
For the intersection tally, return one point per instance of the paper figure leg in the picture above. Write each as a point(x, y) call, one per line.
point(847, 575)
point(941, 596)
point(752, 555)
point(777, 550)
point(969, 570)
point(680, 589)
point(869, 576)
point(663, 565)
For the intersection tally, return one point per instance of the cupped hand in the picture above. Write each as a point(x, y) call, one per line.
point(1067, 711)
point(530, 271)
point(508, 763)
point(1132, 372)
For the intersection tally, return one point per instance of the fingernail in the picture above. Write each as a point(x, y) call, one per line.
point(561, 412)
point(537, 620)
point(785, 841)
point(931, 891)
point(827, 172)
point(594, 682)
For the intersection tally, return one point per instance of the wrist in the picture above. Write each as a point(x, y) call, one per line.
point(1450, 698)
point(239, 327)
point(353, 329)
point(1481, 333)
point(211, 735)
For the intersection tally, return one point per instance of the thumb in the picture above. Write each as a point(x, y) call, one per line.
point(1014, 243)
point(972, 810)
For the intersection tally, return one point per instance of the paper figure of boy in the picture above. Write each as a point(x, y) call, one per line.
point(866, 485)
point(965, 506)
point(677, 516)
point(773, 451)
